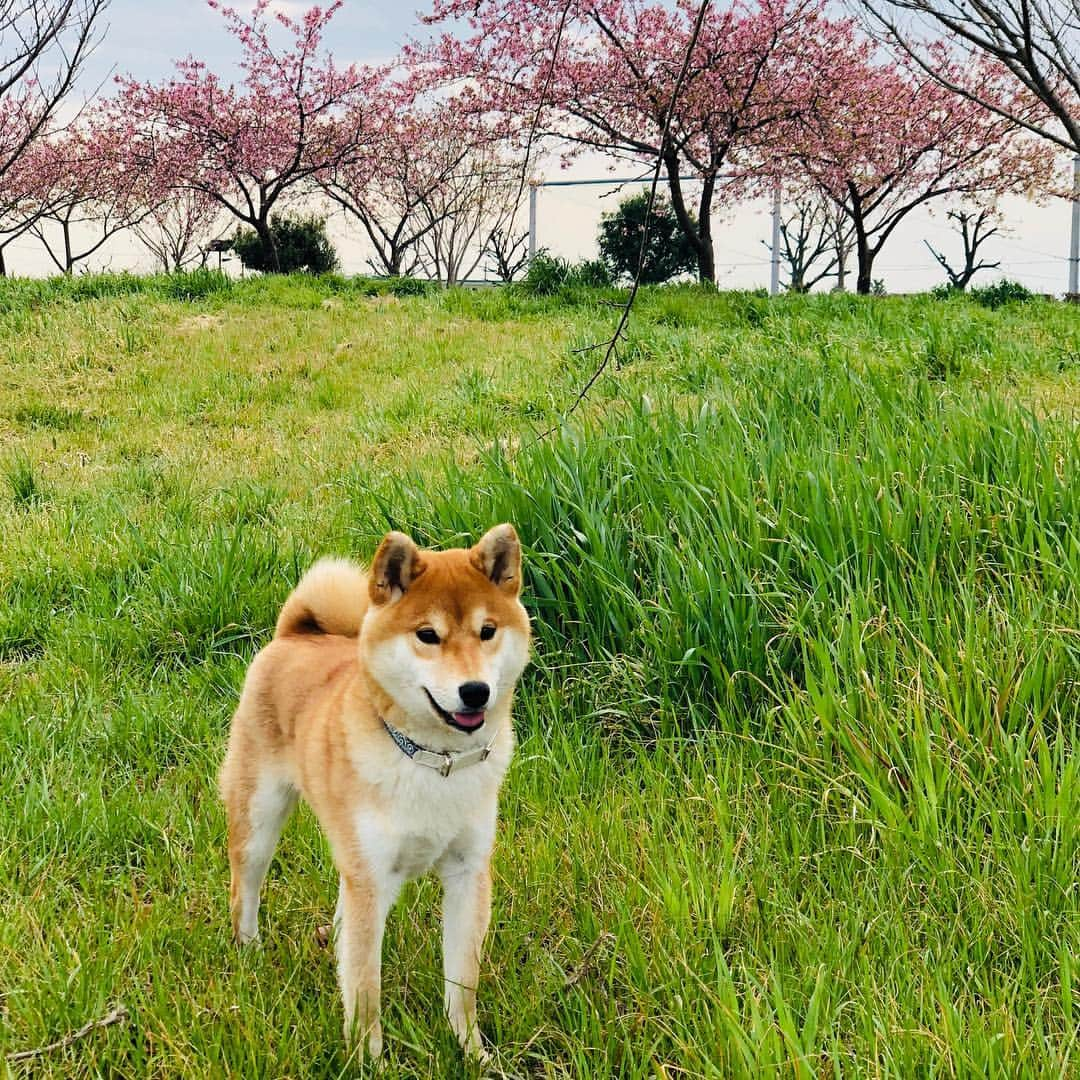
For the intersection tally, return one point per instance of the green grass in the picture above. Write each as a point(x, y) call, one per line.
point(796, 792)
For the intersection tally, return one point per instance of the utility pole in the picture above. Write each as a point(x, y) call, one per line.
point(774, 279)
point(1074, 242)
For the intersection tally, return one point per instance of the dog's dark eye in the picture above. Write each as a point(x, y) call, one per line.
point(487, 633)
point(427, 636)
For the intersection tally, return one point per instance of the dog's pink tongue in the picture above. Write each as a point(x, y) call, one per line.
point(470, 720)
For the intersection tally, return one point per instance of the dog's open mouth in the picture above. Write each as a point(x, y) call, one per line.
point(463, 721)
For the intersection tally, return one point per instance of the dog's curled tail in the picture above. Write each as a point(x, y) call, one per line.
point(330, 599)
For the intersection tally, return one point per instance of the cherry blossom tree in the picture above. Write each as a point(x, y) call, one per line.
point(44, 45)
point(179, 226)
point(87, 187)
point(391, 189)
point(887, 138)
point(20, 204)
point(1036, 41)
point(294, 116)
point(601, 75)
point(480, 197)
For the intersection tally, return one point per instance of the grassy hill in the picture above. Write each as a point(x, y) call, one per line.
point(796, 792)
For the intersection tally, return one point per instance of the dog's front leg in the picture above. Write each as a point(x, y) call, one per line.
point(359, 922)
point(466, 913)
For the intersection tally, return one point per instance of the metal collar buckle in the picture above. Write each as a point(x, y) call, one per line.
point(446, 762)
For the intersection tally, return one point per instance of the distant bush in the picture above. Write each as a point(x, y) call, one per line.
point(548, 274)
point(667, 252)
point(946, 291)
point(1000, 293)
point(407, 286)
point(545, 275)
point(592, 274)
point(194, 284)
point(301, 244)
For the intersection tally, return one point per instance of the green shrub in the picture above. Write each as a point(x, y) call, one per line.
point(946, 291)
point(548, 274)
point(667, 253)
point(1000, 293)
point(408, 286)
point(545, 276)
point(300, 243)
point(590, 274)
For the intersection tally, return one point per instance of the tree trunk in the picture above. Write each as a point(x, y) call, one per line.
point(863, 282)
point(865, 256)
point(698, 233)
point(841, 266)
point(3, 264)
point(706, 255)
point(266, 236)
point(69, 262)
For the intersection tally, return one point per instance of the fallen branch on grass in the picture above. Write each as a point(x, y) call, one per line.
point(116, 1016)
point(575, 973)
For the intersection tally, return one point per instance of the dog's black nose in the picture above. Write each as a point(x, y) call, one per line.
point(474, 695)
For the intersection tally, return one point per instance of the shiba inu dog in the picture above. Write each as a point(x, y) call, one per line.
point(384, 700)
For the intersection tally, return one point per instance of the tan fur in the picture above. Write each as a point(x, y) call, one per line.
point(310, 722)
point(331, 599)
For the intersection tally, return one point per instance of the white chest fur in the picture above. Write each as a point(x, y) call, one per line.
point(422, 820)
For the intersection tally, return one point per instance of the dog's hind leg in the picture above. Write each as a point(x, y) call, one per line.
point(258, 803)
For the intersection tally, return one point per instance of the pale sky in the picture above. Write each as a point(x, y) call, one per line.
point(144, 36)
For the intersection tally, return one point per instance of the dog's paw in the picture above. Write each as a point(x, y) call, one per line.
point(373, 1047)
point(474, 1052)
point(371, 1044)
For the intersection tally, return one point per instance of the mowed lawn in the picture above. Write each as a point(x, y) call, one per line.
point(796, 792)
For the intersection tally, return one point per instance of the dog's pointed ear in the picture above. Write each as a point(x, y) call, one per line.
point(397, 565)
point(497, 555)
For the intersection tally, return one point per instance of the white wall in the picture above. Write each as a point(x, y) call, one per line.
point(1033, 250)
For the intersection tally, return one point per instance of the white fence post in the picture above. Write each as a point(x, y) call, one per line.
point(1074, 242)
point(534, 187)
point(774, 276)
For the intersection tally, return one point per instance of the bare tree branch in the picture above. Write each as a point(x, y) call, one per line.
point(611, 346)
point(1038, 41)
point(44, 45)
point(975, 229)
point(115, 1016)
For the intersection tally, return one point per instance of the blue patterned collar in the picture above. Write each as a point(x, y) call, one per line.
point(445, 763)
